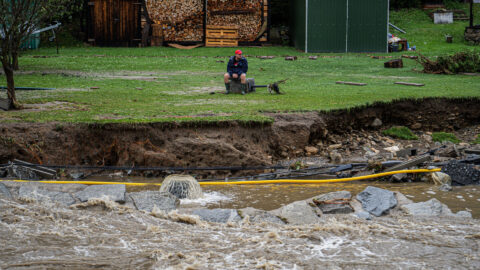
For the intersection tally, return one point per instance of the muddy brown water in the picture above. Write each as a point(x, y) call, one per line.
point(109, 236)
point(36, 235)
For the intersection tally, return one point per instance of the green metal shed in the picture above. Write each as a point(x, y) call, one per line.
point(340, 25)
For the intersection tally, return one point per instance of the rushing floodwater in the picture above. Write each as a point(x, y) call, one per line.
point(107, 235)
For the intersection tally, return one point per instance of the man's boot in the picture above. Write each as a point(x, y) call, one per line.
point(244, 88)
point(227, 87)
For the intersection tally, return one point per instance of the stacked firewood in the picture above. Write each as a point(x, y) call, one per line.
point(246, 14)
point(181, 20)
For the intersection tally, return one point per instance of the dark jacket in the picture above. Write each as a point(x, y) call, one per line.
point(238, 67)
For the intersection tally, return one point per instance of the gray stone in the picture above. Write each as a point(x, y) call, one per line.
point(297, 213)
point(376, 123)
point(217, 215)
point(399, 177)
point(4, 192)
point(449, 151)
point(377, 201)
point(114, 192)
point(259, 216)
point(334, 202)
point(432, 207)
point(22, 172)
point(363, 215)
point(77, 175)
point(461, 173)
point(40, 194)
point(146, 200)
point(464, 214)
point(445, 187)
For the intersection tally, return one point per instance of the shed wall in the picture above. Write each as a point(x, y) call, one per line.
point(340, 25)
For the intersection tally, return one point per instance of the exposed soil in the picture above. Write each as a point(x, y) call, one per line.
point(233, 144)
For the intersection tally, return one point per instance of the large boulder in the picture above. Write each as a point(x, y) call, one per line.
point(461, 173)
point(334, 202)
point(432, 207)
point(37, 193)
point(146, 200)
point(297, 213)
point(377, 201)
point(113, 192)
point(218, 215)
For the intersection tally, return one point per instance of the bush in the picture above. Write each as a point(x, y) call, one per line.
point(398, 4)
point(444, 137)
point(468, 61)
point(401, 133)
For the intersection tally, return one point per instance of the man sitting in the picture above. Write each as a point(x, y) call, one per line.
point(237, 68)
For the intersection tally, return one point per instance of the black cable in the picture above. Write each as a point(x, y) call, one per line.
point(115, 168)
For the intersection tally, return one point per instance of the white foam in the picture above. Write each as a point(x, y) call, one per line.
point(327, 244)
point(208, 197)
point(431, 192)
point(83, 251)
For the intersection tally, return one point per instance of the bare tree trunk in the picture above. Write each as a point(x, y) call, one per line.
point(10, 85)
point(15, 60)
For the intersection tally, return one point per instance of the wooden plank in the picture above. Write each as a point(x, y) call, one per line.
point(351, 83)
point(410, 84)
point(222, 33)
point(221, 27)
point(218, 42)
point(410, 163)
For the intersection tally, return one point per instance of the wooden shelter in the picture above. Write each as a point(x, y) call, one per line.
point(113, 22)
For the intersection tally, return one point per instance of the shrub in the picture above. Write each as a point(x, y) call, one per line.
point(444, 136)
point(477, 140)
point(401, 133)
point(398, 4)
point(468, 61)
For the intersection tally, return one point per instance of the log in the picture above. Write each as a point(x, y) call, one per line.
point(351, 83)
point(410, 84)
point(395, 63)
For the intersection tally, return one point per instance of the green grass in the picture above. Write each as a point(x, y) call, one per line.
point(400, 132)
point(175, 85)
point(477, 140)
point(444, 137)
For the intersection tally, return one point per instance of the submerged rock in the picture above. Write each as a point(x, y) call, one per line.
point(334, 202)
point(218, 215)
point(4, 192)
point(259, 216)
point(363, 215)
point(431, 207)
point(146, 200)
point(114, 192)
point(27, 192)
point(377, 201)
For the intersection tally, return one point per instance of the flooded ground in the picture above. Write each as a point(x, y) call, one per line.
point(37, 235)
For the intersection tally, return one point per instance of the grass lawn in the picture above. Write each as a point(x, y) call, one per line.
point(166, 84)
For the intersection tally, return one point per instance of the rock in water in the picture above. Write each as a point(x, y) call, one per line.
point(182, 186)
point(377, 201)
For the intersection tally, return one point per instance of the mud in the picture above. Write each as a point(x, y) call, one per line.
point(233, 143)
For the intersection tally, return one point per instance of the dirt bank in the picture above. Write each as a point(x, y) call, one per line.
point(230, 143)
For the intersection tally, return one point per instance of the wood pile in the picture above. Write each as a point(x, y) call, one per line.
point(181, 20)
point(245, 14)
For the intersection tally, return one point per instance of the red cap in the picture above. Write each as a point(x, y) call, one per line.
point(238, 52)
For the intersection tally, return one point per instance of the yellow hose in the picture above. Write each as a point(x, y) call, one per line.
point(279, 181)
